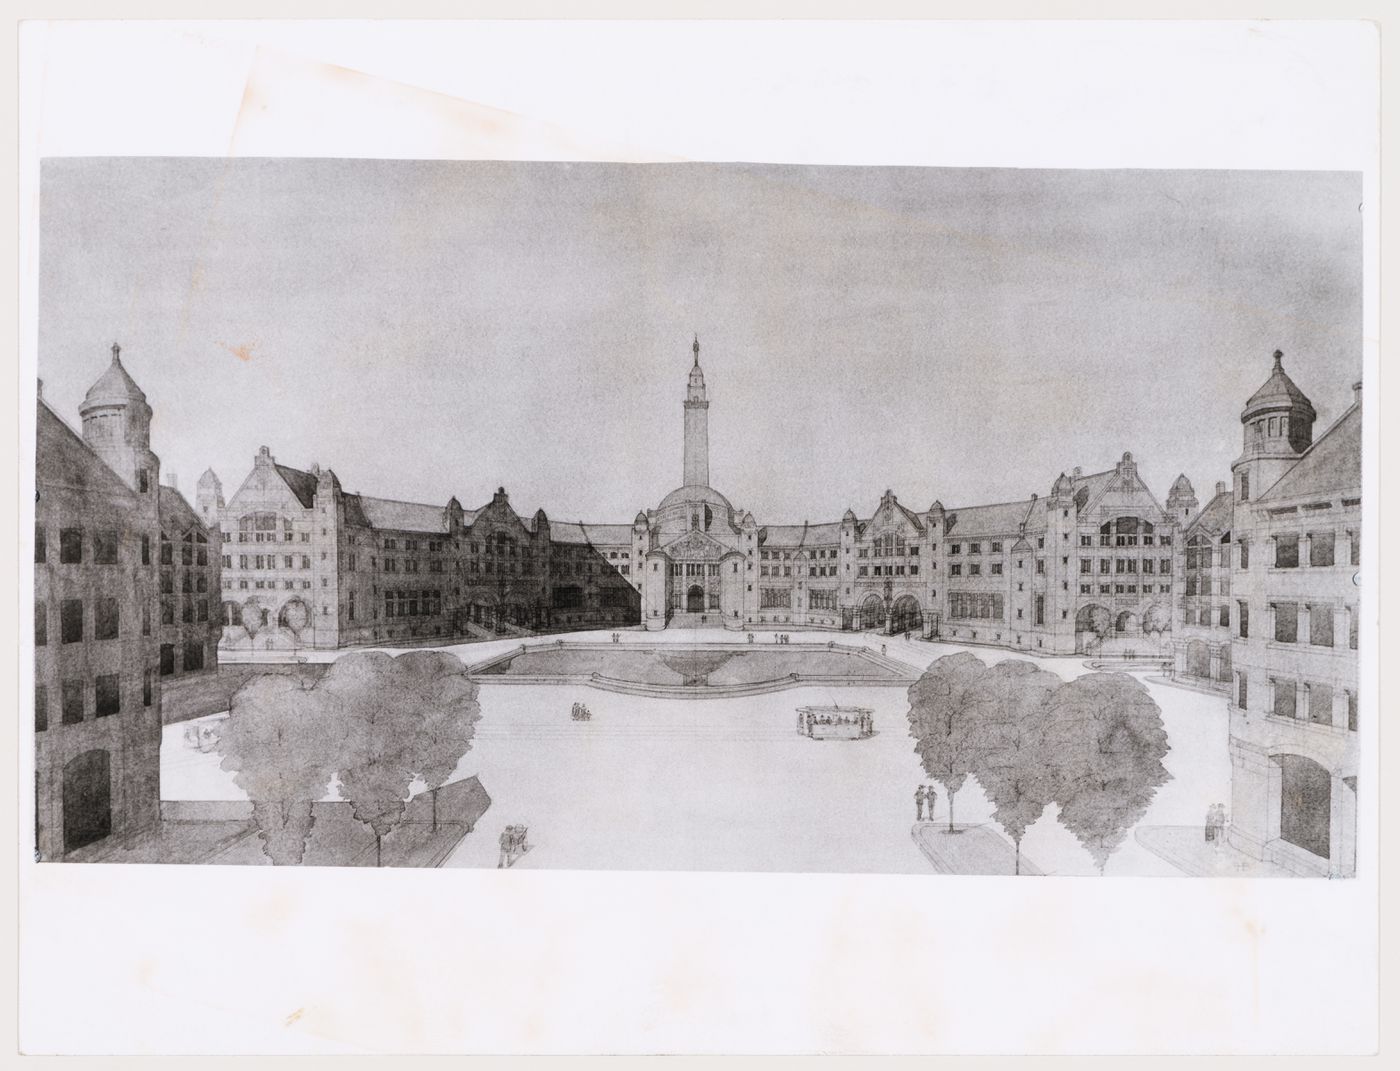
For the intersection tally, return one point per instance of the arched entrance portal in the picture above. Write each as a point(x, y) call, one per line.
point(1197, 659)
point(1091, 624)
point(1127, 622)
point(1305, 805)
point(906, 616)
point(872, 612)
point(695, 600)
point(87, 799)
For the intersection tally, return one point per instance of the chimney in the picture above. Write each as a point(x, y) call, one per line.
point(1355, 390)
point(172, 480)
point(41, 389)
point(1219, 487)
point(1078, 472)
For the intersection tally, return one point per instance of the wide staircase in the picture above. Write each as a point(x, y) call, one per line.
point(681, 619)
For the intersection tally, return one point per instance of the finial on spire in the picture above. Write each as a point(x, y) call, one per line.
point(116, 351)
point(696, 348)
point(1278, 360)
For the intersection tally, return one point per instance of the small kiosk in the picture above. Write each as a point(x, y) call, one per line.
point(835, 723)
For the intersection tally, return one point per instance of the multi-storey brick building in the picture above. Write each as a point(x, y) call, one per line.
point(1090, 561)
point(1295, 589)
point(125, 594)
point(306, 563)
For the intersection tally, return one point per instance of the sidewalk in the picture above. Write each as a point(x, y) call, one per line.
point(976, 849)
point(1185, 848)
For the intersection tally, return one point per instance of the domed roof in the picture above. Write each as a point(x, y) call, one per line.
point(114, 387)
point(695, 493)
point(1062, 486)
point(1278, 390)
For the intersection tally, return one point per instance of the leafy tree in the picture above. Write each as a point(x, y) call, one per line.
point(251, 615)
point(274, 743)
point(1107, 742)
point(1012, 767)
point(1099, 621)
point(1158, 619)
point(397, 720)
point(947, 735)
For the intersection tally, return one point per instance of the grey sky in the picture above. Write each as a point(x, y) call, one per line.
point(431, 329)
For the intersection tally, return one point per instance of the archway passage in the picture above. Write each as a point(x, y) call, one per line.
point(695, 600)
point(87, 799)
point(1305, 805)
point(1091, 624)
point(872, 612)
point(906, 616)
point(1127, 622)
point(1197, 659)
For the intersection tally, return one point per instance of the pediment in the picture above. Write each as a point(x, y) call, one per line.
point(695, 545)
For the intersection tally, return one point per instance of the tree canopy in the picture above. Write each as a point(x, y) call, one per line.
point(376, 723)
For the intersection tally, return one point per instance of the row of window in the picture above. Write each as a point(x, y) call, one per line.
point(426, 603)
point(106, 547)
point(888, 570)
point(1126, 566)
point(106, 691)
point(73, 699)
point(1320, 631)
point(269, 584)
point(1300, 700)
point(1124, 589)
point(270, 537)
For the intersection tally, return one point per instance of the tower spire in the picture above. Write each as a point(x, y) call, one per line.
point(696, 348)
point(116, 352)
point(1278, 360)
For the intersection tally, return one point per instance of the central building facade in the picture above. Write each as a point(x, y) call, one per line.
point(1091, 561)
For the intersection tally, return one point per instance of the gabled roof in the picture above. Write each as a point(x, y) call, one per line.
point(1218, 516)
point(402, 516)
point(1001, 518)
point(577, 532)
point(302, 484)
point(800, 535)
point(1331, 465)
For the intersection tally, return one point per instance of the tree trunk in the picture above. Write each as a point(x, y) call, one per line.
point(435, 792)
point(378, 850)
point(950, 813)
point(1018, 856)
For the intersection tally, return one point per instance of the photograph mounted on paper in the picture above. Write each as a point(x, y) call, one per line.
point(698, 517)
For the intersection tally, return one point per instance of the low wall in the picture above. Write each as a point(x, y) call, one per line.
point(195, 696)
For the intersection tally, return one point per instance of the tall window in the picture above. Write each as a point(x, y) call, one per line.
point(104, 547)
point(1286, 622)
point(41, 623)
point(1285, 699)
point(41, 708)
point(1244, 486)
point(70, 546)
point(41, 544)
point(109, 695)
point(1244, 553)
point(1243, 694)
point(1320, 626)
point(1286, 551)
point(1351, 711)
point(72, 702)
point(70, 613)
point(1356, 547)
point(1320, 704)
point(1322, 548)
point(108, 616)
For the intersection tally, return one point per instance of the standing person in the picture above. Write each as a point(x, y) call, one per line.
point(1210, 823)
point(930, 795)
point(919, 804)
point(505, 848)
point(882, 649)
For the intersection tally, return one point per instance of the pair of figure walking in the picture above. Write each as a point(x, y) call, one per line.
point(924, 796)
point(1215, 824)
point(781, 637)
point(581, 713)
point(513, 845)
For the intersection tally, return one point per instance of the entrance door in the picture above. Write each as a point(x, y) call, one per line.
point(695, 600)
point(1305, 805)
point(87, 799)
